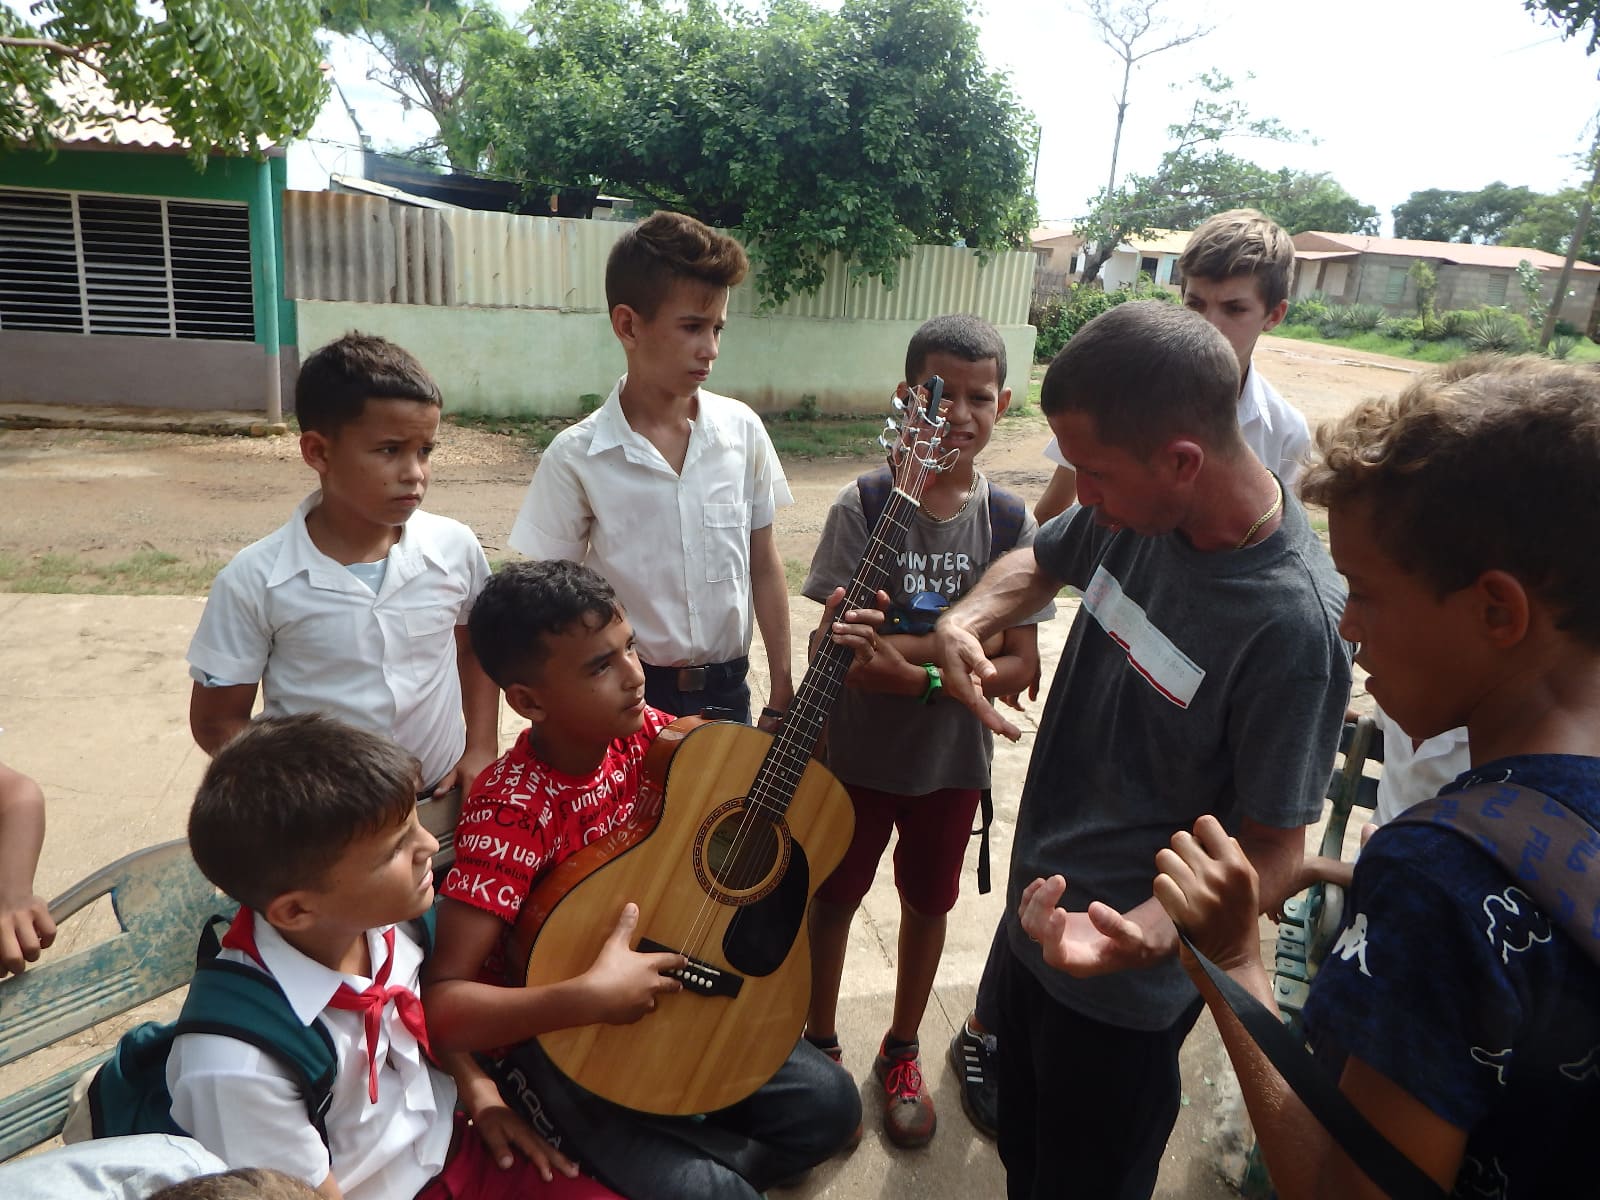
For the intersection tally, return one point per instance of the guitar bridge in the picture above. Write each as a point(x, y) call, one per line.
point(698, 977)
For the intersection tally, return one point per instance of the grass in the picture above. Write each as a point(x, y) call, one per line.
point(144, 573)
point(534, 432)
point(1430, 352)
point(795, 571)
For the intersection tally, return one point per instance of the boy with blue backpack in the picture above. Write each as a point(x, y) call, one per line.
point(302, 1044)
point(909, 762)
point(1459, 1010)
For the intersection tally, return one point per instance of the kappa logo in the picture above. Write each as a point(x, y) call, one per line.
point(1495, 1060)
point(1515, 922)
point(1352, 943)
point(1587, 1067)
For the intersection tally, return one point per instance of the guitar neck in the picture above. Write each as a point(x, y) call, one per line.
point(786, 761)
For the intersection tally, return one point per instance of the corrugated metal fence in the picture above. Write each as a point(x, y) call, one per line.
point(347, 247)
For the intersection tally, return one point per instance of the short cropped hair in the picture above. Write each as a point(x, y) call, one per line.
point(336, 382)
point(666, 247)
point(242, 1183)
point(1242, 241)
point(1487, 464)
point(526, 602)
point(281, 801)
point(1148, 371)
point(959, 335)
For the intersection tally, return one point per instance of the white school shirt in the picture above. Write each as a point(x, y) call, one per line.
point(1269, 424)
point(319, 640)
point(238, 1102)
point(1411, 776)
point(675, 546)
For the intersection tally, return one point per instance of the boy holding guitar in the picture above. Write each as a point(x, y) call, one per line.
point(555, 637)
point(911, 763)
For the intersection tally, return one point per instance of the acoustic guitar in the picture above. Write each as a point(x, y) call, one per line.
point(733, 831)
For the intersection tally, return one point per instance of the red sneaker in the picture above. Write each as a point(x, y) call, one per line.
point(908, 1116)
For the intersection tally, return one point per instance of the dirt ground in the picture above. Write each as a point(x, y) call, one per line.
point(103, 496)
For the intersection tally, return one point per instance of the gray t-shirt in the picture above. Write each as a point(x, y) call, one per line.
point(1190, 683)
point(896, 743)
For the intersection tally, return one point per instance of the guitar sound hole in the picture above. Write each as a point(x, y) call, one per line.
point(742, 851)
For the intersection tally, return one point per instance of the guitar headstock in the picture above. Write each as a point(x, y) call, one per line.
point(914, 436)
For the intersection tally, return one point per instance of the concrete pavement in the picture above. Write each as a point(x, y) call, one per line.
point(93, 704)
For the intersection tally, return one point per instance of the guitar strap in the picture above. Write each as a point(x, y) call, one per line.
point(1541, 843)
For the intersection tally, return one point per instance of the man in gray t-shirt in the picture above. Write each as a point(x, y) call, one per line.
point(1204, 673)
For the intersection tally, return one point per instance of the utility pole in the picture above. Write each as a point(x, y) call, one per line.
point(1579, 232)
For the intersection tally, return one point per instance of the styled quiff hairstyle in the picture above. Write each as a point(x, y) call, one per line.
point(1242, 241)
point(666, 247)
point(282, 800)
point(1148, 371)
point(959, 335)
point(1487, 464)
point(526, 602)
point(243, 1183)
point(336, 382)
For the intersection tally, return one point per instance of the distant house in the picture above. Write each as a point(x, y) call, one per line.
point(1061, 258)
point(127, 277)
point(1155, 255)
point(1352, 268)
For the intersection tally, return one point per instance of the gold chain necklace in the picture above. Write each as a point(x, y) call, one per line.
point(966, 503)
point(1277, 503)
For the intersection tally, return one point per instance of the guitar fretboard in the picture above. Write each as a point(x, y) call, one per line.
point(786, 761)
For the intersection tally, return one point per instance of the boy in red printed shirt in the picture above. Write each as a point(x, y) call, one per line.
point(552, 634)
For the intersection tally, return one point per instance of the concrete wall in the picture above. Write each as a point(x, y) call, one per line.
point(538, 362)
point(106, 369)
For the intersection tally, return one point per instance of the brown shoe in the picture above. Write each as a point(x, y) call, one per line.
point(908, 1116)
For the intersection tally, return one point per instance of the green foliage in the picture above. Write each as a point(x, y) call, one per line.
point(1497, 330)
point(1562, 345)
point(1352, 318)
point(1547, 224)
point(1405, 329)
point(224, 74)
point(862, 131)
point(433, 53)
point(1062, 316)
point(1575, 18)
point(1532, 291)
point(1440, 215)
point(1310, 309)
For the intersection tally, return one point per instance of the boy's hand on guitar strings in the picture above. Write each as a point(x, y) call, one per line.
point(624, 983)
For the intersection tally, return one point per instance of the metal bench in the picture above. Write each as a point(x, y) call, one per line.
point(161, 901)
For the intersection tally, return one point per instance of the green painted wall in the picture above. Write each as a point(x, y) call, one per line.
point(159, 173)
point(540, 361)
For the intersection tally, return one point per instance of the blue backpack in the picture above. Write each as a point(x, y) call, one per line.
point(129, 1095)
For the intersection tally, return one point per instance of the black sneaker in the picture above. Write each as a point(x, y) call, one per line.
point(972, 1059)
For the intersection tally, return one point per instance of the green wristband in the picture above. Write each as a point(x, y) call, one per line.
point(935, 684)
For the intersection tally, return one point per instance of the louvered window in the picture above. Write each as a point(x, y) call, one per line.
point(77, 263)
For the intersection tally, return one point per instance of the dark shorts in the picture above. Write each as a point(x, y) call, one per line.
point(928, 856)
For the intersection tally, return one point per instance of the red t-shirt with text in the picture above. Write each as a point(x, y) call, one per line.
point(523, 817)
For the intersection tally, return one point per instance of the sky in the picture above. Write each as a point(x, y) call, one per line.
point(1398, 95)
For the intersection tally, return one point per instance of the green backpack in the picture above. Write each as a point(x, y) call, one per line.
point(129, 1095)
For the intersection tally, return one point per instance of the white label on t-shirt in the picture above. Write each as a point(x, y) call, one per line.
point(1150, 652)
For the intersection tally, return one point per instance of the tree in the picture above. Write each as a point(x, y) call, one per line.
point(1437, 215)
point(1194, 178)
point(1547, 224)
point(431, 54)
point(1302, 200)
point(1123, 26)
point(863, 131)
point(223, 74)
point(1571, 17)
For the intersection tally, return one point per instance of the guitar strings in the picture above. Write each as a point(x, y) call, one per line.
point(787, 760)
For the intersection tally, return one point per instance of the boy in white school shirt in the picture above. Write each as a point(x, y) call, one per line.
point(669, 490)
point(358, 606)
point(312, 826)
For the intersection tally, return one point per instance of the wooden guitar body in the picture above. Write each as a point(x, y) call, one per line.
point(718, 875)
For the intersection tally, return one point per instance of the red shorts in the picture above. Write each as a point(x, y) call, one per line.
point(472, 1174)
point(933, 829)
